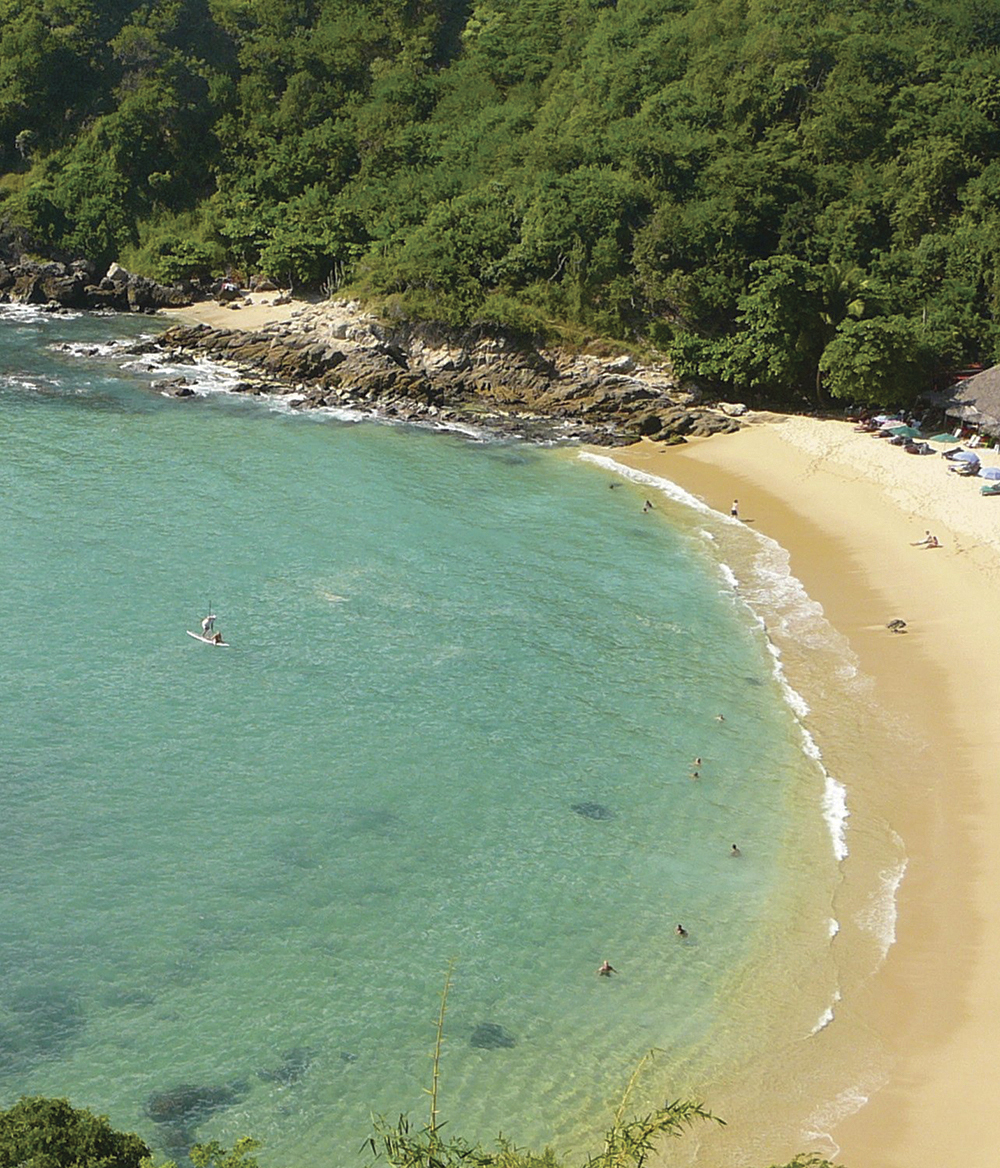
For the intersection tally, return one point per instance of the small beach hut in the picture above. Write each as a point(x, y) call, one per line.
point(974, 401)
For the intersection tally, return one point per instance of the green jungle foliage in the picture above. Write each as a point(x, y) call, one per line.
point(49, 1133)
point(793, 197)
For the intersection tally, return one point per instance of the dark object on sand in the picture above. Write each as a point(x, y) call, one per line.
point(491, 1036)
point(592, 810)
point(896, 626)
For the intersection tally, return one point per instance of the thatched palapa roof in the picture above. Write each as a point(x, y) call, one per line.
point(975, 400)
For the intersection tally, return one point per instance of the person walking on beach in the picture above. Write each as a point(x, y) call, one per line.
point(734, 511)
point(606, 969)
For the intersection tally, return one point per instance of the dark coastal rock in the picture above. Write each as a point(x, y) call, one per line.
point(592, 810)
point(479, 376)
point(174, 387)
point(491, 1036)
point(74, 286)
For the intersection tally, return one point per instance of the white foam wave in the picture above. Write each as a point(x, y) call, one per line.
point(834, 926)
point(729, 576)
point(827, 1016)
point(89, 348)
point(664, 486)
point(35, 313)
point(878, 917)
point(829, 1114)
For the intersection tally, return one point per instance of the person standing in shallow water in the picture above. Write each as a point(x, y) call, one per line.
point(606, 969)
point(734, 511)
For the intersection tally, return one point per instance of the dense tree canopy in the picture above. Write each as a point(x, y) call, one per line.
point(793, 196)
point(49, 1133)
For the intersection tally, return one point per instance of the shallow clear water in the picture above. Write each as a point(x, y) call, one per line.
point(466, 685)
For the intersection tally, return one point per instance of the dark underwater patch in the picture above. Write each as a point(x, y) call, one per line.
point(41, 1022)
point(491, 1036)
point(592, 810)
point(292, 1067)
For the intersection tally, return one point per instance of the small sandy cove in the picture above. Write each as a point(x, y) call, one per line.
point(848, 507)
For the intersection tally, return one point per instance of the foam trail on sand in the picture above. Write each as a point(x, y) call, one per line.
point(827, 1016)
point(824, 1119)
point(879, 915)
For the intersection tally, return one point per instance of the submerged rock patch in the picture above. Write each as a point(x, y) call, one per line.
point(592, 810)
point(491, 1036)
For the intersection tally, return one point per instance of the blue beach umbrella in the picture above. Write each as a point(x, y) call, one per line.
point(990, 472)
point(965, 456)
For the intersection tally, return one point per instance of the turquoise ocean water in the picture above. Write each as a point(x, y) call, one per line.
point(466, 685)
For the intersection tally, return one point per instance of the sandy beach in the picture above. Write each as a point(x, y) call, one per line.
point(254, 311)
point(848, 508)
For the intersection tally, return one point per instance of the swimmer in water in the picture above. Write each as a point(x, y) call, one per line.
point(681, 932)
point(606, 969)
point(735, 851)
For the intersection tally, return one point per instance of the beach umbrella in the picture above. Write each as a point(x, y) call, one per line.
point(943, 438)
point(990, 472)
point(904, 432)
point(965, 456)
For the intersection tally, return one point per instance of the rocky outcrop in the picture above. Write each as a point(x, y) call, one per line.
point(77, 285)
point(479, 377)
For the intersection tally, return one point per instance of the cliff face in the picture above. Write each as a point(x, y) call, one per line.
point(334, 355)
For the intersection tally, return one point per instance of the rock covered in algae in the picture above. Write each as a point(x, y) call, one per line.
point(491, 1036)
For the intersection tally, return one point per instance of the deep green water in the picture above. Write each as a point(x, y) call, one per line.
point(247, 869)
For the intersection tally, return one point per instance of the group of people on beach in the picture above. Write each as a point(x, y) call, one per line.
point(928, 541)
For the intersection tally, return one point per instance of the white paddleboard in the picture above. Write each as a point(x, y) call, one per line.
point(208, 640)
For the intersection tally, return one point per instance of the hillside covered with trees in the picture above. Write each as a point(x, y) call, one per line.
point(784, 194)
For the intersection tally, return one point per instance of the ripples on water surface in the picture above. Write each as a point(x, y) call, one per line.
point(458, 719)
